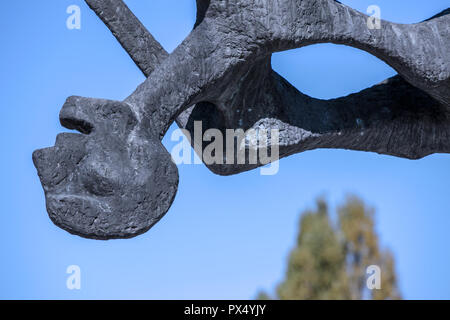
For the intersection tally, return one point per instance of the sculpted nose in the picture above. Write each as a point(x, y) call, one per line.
point(77, 114)
point(88, 115)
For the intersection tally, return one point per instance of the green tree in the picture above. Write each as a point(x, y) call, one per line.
point(330, 262)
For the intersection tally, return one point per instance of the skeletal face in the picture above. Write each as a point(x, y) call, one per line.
point(111, 181)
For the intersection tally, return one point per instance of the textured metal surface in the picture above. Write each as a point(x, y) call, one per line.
point(115, 180)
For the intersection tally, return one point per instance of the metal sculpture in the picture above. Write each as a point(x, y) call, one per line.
point(116, 180)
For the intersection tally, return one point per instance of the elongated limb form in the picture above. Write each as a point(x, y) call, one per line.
point(116, 180)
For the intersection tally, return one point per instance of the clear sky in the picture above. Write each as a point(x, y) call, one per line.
point(224, 237)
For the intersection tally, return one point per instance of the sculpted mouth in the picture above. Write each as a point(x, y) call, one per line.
point(57, 163)
point(68, 138)
point(68, 142)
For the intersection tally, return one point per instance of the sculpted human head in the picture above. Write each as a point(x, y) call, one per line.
point(113, 179)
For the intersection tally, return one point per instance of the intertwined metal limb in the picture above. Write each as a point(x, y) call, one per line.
point(393, 116)
point(116, 183)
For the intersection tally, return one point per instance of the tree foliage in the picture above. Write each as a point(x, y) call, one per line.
point(330, 261)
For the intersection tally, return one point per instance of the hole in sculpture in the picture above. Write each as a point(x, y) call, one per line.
point(210, 116)
point(327, 71)
point(202, 7)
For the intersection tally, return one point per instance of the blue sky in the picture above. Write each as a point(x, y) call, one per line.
point(224, 237)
